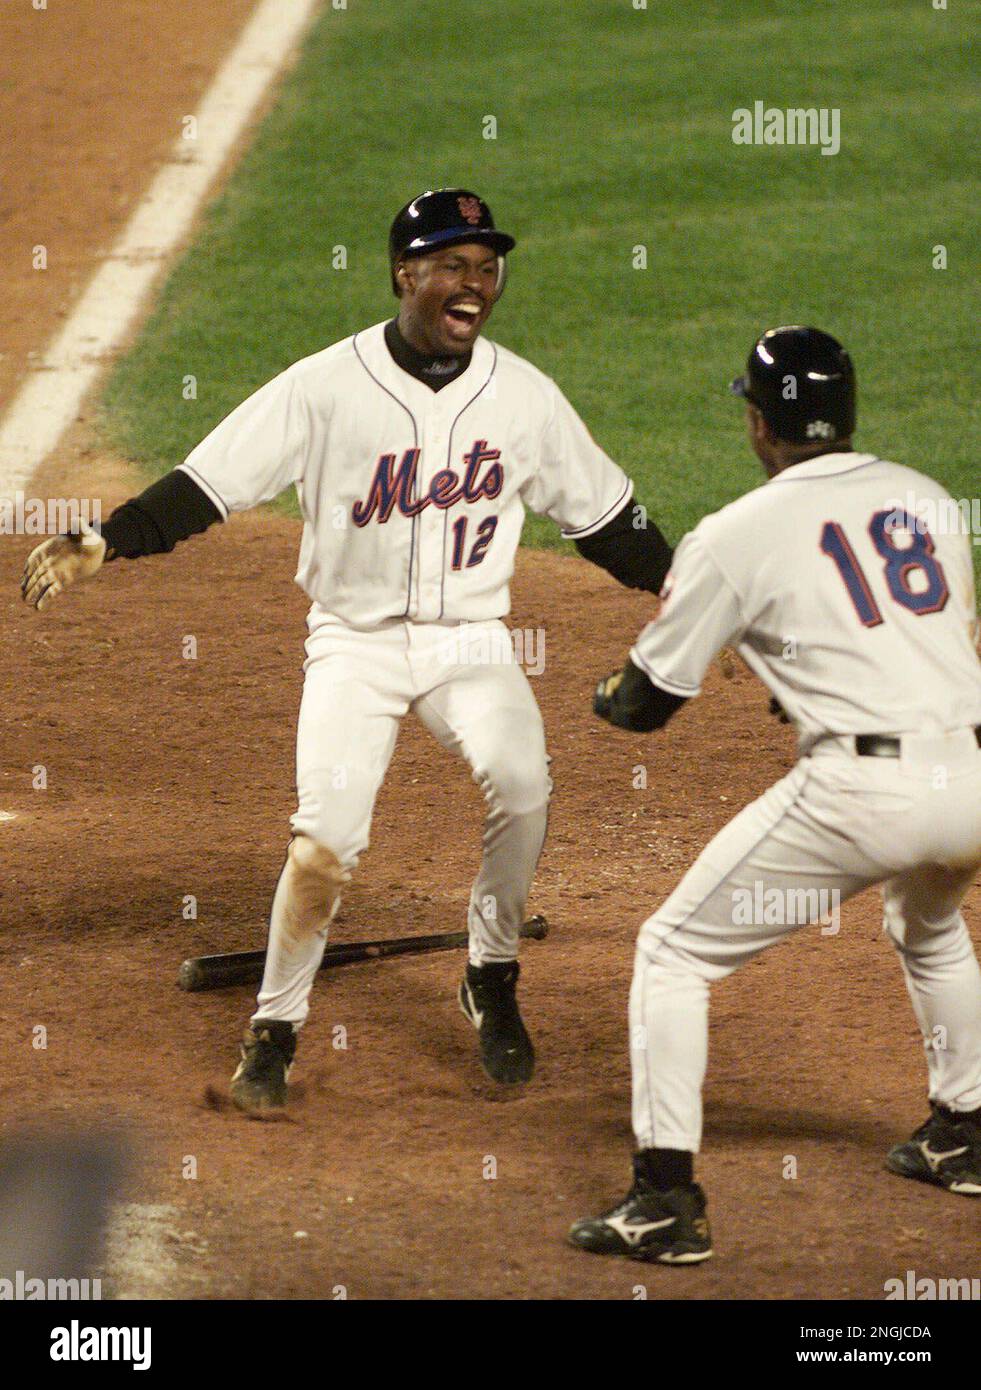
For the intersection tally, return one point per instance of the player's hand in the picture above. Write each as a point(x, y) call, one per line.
point(60, 561)
point(629, 699)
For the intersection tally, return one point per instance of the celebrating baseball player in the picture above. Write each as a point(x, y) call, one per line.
point(860, 617)
point(415, 447)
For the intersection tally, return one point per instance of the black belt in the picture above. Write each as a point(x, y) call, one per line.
point(882, 746)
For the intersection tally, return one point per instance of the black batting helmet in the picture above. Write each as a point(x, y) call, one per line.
point(803, 383)
point(445, 217)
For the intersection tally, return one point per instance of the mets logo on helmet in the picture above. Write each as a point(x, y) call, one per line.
point(469, 210)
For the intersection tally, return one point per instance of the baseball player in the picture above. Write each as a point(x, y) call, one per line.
point(861, 620)
point(415, 447)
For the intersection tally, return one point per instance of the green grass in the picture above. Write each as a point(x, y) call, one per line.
point(614, 130)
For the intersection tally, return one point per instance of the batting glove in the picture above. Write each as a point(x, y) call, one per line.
point(60, 561)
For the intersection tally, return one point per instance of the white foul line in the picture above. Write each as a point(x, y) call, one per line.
point(50, 398)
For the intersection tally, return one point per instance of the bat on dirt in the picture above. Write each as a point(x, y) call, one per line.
point(245, 967)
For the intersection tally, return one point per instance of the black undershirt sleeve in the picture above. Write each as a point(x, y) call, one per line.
point(638, 556)
point(168, 511)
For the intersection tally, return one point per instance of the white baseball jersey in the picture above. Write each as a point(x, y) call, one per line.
point(412, 500)
point(858, 619)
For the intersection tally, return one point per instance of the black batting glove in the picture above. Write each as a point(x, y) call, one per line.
point(603, 699)
point(627, 699)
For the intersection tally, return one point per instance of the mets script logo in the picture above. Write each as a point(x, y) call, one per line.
point(393, 486)
point(469, 210)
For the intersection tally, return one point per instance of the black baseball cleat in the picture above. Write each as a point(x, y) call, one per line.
point(945, 1151)
point(487, 997)
point(667, 1228)
point(260, 1079)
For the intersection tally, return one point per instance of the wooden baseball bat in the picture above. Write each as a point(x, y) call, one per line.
point(245, 967)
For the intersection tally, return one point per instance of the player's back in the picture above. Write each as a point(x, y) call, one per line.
point(855, 578)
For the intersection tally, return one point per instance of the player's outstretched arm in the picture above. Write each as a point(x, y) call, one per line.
point(579, 486)
point(168, 511)
point(59, 562)
point(638, 557)
point(700, 614)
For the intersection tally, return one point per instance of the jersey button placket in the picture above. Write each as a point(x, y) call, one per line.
point(431, 519)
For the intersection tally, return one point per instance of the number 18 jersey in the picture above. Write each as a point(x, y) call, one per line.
point(846, 583)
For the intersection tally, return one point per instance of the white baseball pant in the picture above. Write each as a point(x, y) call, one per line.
point(464, 684)
point(839, 822)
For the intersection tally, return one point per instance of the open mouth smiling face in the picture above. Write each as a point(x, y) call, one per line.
point(453, 294)
point(462, 320)
point(464, 316)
